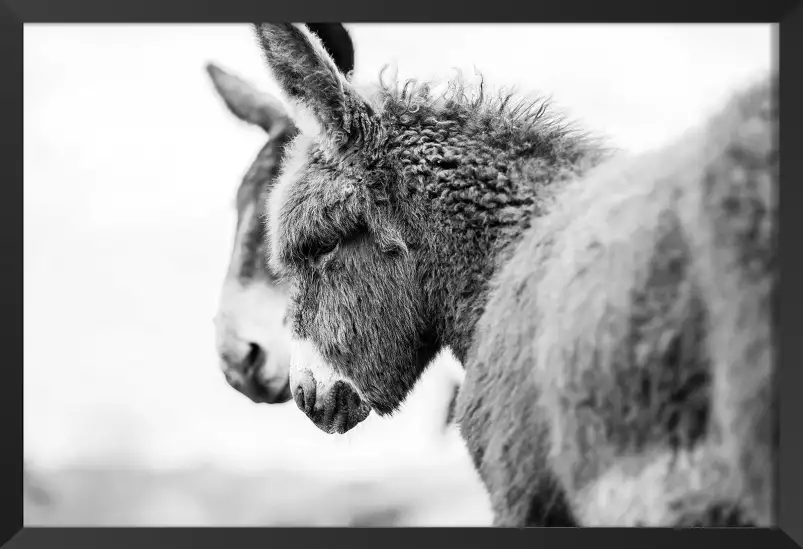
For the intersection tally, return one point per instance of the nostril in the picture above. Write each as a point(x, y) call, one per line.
point(242, 358)
point(255, 358)
point(299, 398)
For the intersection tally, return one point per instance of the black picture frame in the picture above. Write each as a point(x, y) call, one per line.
point(15, 13)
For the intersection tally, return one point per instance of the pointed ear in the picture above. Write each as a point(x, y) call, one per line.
point(312, 81)
point(247, 102)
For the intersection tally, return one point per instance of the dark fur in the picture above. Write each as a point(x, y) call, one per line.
point(605, 318)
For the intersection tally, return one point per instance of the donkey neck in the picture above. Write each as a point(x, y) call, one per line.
point(485, 203)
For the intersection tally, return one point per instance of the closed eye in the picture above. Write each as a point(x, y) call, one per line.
point(316, 250)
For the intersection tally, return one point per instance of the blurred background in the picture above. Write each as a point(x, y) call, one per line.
point(130, 169)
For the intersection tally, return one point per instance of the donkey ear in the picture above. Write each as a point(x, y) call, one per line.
point(310, 78)
point(247, 102)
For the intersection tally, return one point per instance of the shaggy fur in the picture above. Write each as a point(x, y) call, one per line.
point(390, 235)
point(615, 321)
point(630, 330)
point(250, 317)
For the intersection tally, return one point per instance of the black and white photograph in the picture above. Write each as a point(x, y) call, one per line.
point(400, 274)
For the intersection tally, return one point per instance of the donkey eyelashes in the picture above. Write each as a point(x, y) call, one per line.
point(316, 250)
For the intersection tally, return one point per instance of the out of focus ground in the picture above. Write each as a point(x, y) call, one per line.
point(210, 496)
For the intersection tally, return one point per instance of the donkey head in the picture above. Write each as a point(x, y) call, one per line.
point(252, 336)
point(388, 220)
point(351, 236)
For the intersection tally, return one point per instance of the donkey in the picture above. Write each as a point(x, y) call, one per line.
point(252, 339)
point(615, 315)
